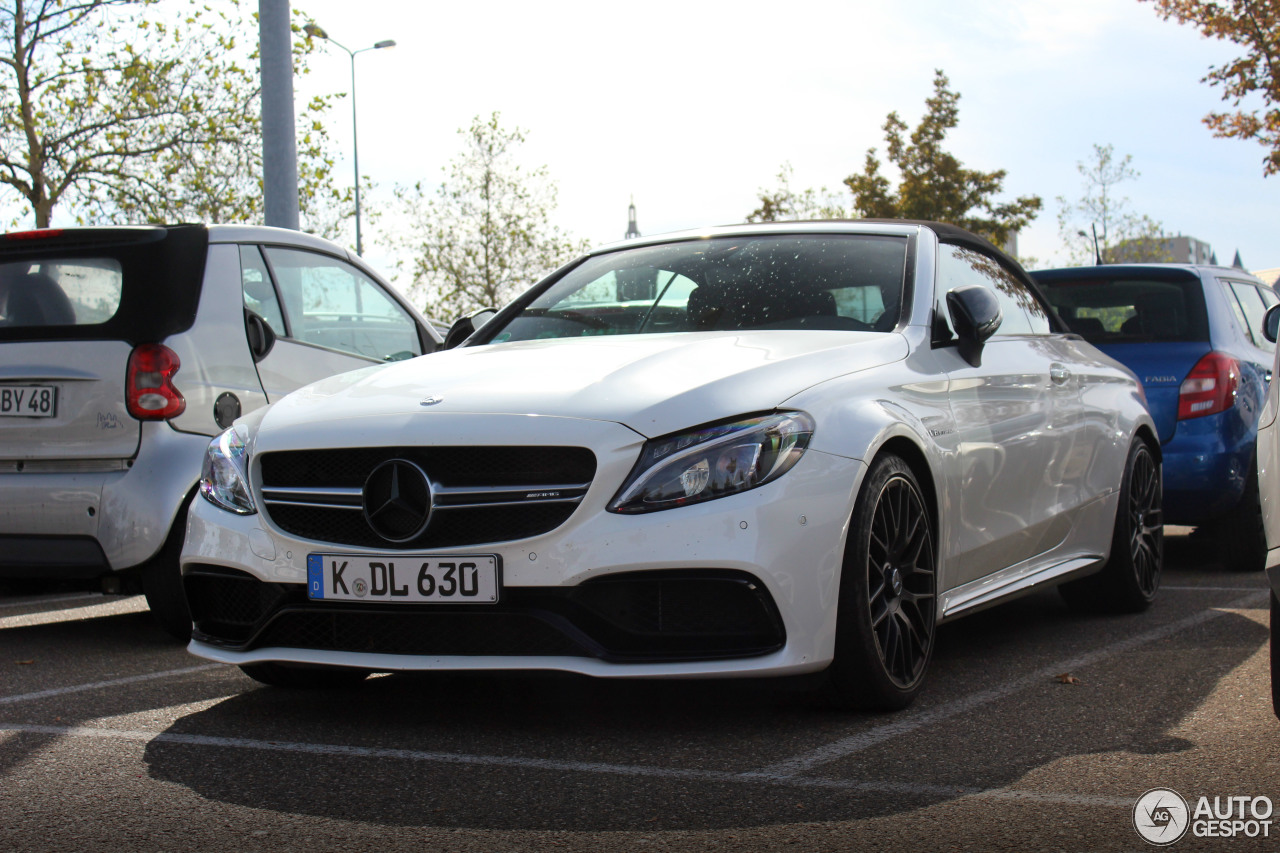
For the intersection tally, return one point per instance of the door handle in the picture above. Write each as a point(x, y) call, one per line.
point(1058, 374)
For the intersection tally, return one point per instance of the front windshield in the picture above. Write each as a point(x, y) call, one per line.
point(840, 281)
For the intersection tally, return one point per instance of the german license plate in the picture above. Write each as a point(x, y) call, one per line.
point(28, 401)
point(403, 579)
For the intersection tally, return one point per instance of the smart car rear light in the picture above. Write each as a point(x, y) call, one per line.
point(150, 394)
point(38, 234)
point(1210, 387)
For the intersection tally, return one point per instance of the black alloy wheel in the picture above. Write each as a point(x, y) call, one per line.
point(1146, 521)
point(888, 593)
point(1128, 582)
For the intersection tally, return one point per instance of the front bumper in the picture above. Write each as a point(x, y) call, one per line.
point(755, 577)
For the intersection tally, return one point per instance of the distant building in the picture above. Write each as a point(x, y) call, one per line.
point(1271, 276)
point(632, 229)
point(1175, 250)
point(1189, 250)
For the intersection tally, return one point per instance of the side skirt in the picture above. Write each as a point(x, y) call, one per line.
point(1012, 582)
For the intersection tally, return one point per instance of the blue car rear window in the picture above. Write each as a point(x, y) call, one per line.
point(1109, 310)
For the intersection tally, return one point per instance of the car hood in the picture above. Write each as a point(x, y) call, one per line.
point(654, 384)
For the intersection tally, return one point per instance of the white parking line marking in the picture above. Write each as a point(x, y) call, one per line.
point(1213, 589)
point(344, 751)
point(75, 614)
point(97, 685)
point(57, 598)
point(908, 722)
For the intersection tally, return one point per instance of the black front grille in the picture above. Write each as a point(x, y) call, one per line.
point(447, 530)
point(664, 615)
point(231, 605)
point(447, 466)
point(487, 494)
point(387, 631)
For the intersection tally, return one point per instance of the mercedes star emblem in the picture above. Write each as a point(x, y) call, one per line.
point(397, 500)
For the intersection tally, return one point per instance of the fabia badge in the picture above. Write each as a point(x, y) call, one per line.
point(431, 401)
point(1161, 816)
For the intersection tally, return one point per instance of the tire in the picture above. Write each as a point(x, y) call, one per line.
point(1275, 648)
point(303, 677)
point(162, 583)
point(1129, 580)
point(1242, 540)
point(887, 615)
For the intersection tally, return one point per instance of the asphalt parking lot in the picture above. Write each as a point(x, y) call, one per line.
point(1039, 730)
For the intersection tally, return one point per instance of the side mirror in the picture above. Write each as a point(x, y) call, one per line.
point(975, 312)
point(1271, 324)
point(464, 327)
point(260, 334)
point(975, 315)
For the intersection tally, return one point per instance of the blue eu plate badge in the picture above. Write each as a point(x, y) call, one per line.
point(315, 575)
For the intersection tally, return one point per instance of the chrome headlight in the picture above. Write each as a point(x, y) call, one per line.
point(224, 479)
point(714, 461)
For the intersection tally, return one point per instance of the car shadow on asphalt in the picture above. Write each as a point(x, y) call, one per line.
point(44, 668)
point(552, 752)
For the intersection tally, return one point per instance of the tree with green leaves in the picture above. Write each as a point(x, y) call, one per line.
point(134, 111)
point(1121, 233)
point(1255, 26)
point(785, 203)
point(485, 233)
point(933, 184)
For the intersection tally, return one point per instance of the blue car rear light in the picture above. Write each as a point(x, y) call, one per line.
point(1210, 387)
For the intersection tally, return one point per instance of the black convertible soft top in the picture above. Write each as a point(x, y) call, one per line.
point(162, 267)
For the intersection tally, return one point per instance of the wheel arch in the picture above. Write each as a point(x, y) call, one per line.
point(911, 453)
point(1147, 433)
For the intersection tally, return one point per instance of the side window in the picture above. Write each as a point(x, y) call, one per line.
point(958, 265)
point(1251, 308)
point(259, 294)
point(332, 304)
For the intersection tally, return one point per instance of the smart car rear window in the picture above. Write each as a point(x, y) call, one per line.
point(1108, 310)
point(133, 284)
point(60, 292)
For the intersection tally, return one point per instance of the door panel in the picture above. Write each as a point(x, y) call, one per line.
point(291, 364)
point(1006, 445)
point(329, 317)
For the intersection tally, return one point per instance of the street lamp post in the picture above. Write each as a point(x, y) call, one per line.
point(316, 31)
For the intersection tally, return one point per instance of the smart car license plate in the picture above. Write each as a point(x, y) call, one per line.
point(28, 401)
point(403, 579)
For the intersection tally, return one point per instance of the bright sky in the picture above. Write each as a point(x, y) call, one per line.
point(690, 107)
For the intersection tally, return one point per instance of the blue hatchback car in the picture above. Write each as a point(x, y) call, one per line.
point(1193, 335)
